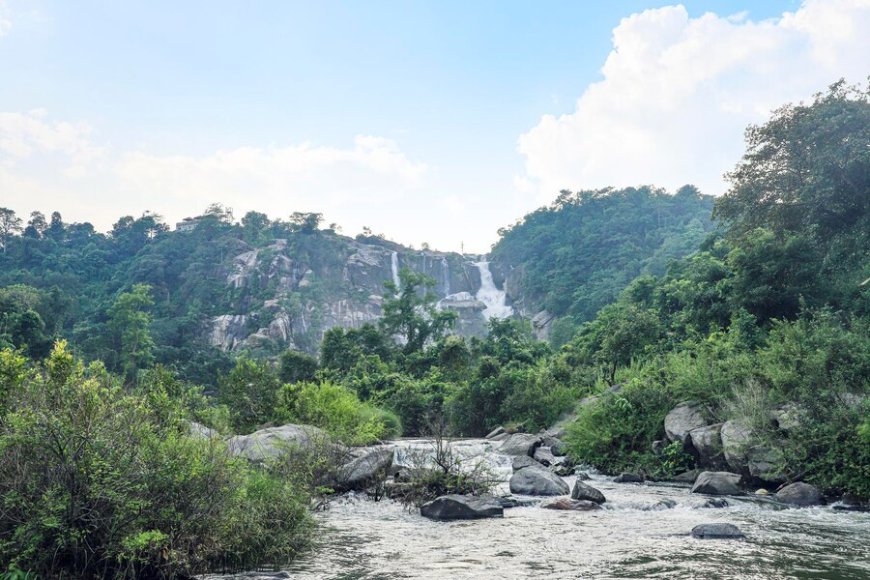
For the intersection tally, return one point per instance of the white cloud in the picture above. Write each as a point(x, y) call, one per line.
point(24, 136)
point(678, 92)
point(5, 18)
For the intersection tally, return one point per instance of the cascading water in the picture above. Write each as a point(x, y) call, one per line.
point(490, 295)
point(445, 276)
point(394, 264)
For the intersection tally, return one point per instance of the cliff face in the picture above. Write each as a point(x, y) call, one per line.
point(287, 295)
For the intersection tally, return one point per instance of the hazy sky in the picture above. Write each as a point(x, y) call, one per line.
point(434, 122)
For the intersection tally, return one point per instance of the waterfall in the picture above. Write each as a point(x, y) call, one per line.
point(490, 295)
point(394, 263)
point(445, 276)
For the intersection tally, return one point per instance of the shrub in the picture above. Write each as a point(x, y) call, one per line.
point(97, 482)
point(337, 410)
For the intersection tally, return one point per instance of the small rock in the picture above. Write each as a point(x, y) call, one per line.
point(717, 531)
point(544, 456)
point(568, 504)
point(662, 504)
point(761, 491)
point(564, 470)
point(514, 502)
point(800, 494)
point(496, 432)
point(715, 502)
point(628, 478)
point(717, 483)
point(587, 492)
point(461, 507)
point(657, 447)
point(582, 475)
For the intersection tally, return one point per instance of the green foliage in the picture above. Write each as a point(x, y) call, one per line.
point(338, 411)
point(295, 366)
point(409, 311)
point(250, 391)
point(96, 482)
point(131, 322)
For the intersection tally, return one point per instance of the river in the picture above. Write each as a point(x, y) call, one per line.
point(363, 539)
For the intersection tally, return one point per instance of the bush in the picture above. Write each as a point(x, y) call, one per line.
point(96, 482)
point(337, 410)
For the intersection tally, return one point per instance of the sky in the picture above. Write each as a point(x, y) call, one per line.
point(436, 122)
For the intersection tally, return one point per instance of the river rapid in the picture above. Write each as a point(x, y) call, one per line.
point(631, 538)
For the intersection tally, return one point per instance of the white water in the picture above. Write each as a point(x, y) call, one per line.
point(490, 295)
point(445, 276)
point(634, 536)
point(394, 263)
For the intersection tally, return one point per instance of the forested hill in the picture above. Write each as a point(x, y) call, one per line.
point(578, 254)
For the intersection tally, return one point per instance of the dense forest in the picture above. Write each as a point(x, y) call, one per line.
point(769, 309)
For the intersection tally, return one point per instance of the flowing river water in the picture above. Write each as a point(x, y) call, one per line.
point(630, 538)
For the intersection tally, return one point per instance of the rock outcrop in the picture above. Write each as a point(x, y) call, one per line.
point(272, 442)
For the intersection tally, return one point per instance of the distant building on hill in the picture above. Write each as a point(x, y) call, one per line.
point(188, 224)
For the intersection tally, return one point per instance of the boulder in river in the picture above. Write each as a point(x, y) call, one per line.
point(715, 502)
point(537, 481)
point(687, 476)
point(717, 483)
point(682, 419)
point(364, 470)
point(523, 461)
point(628, 478)
point(569, 504)
point(736, 439)
point(520, 444)
point(272, 442)
point(717, 531)
point(799, 494)
point(586, 492)
point(582, 475)
point(462, 507)
point(544, 456)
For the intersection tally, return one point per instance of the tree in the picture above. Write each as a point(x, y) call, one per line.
point(131, 321)
point(306, 223)
point(297, 367)
point(410, 312)
point(36, 226)
point(250, 391)
point(10, 224)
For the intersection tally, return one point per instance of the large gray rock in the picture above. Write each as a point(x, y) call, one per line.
point(707, 443)
point(523, 461)
point(568, 504)
point(520, 444)
point(200, 431)
point(682, 419)
point(537, 481)
point(717, 483)
point(765, 463)
point(717, 532)
point(628, 478)
point(364, 470)
point(586, 492)
point(462, 507)
point(736, 439)
point(272, 442)
point(799, 494)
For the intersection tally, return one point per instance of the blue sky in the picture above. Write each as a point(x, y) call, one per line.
point(432, 122)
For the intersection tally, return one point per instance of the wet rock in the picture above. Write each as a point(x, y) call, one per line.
point(272, 442)
point(582, 476)
point(736, 439)
point(544, 456)
point(707, 443)
point(715, 502)
point(514, 502)
point(462, 507)
point(523, 461)
point(568, 504)
point(717, 531)
point(496, 432)
point(587, 492)
point(520, 444)
point(662, 504)
point(537, 481)
point(682, 419)
point(559, 449)
point(799, 494)
point(364, 470)
point(564, 470)
point(717, 483)
point(628, 478)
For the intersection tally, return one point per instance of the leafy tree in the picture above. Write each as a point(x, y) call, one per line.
point(131, 321)
point(250, 391)
point(10, 224)
point(297, 367)
point(410, 312)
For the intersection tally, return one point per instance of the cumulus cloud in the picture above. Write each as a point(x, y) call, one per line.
point(677, 93)
point(5, 19)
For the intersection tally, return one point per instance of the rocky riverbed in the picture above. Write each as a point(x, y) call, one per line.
point(643, 530)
